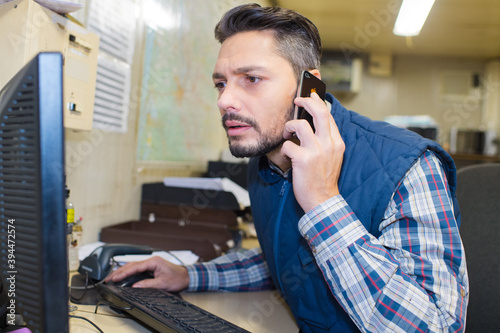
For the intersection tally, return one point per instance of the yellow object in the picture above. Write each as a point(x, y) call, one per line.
point(70, 215)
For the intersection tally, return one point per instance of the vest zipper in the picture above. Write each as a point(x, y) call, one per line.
point(283, 195)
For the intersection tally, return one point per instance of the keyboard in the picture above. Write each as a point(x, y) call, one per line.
point(164, 311)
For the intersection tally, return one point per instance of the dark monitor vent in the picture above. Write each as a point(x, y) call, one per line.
point(19, 181)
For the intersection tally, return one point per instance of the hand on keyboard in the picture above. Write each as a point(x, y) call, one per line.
point(166, 275)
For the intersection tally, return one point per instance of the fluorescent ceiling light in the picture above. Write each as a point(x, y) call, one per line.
point(412, 16)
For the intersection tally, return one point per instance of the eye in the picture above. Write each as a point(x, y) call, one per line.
point(220, 85)
point(253, 79)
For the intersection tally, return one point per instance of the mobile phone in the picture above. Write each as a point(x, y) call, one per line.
point(308, 84)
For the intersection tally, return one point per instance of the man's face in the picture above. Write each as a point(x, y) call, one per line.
point(256, 92)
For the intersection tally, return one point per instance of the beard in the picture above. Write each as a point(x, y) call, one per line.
point(266, 143)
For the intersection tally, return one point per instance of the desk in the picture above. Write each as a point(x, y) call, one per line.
point(261, 311)
point(257, 311)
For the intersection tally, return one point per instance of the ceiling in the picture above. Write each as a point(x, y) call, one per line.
point(458, 28)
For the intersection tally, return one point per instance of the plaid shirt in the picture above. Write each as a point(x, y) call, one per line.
point(413, 278)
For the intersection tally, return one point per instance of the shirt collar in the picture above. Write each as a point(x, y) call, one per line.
point(276, 169)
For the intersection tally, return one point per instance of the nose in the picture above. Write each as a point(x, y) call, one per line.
point(229, 99)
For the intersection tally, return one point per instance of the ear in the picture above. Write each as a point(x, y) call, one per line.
point(316, 73)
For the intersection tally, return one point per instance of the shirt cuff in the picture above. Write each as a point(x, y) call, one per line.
point(331, 225)
point(203, 277)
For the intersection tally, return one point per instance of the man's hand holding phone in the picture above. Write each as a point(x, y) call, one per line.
point(308, 84)
point(317, 159)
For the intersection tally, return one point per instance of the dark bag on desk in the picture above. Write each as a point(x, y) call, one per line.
point(174, 218)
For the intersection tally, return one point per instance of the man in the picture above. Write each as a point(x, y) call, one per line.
point(357, 221)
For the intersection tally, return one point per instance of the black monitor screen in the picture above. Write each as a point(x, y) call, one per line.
point(34, 274)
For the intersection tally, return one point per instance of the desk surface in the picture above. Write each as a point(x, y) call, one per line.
point(262, 311)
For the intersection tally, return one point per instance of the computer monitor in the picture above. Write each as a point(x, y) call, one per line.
point(34, 272)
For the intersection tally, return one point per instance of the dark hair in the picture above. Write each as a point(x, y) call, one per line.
point(297, 38)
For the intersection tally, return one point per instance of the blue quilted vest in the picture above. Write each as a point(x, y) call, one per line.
point(376, 158)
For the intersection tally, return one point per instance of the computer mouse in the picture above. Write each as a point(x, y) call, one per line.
point(132, 279)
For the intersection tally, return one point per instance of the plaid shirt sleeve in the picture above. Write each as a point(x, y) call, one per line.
point(412, 278)
point(238, 271)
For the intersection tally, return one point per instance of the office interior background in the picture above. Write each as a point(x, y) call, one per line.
point(170, 124)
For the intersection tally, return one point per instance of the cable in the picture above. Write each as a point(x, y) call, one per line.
point(87, 320)
point(82, 288)
point(116, 262)
point(85, 288)
point(173, 255)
